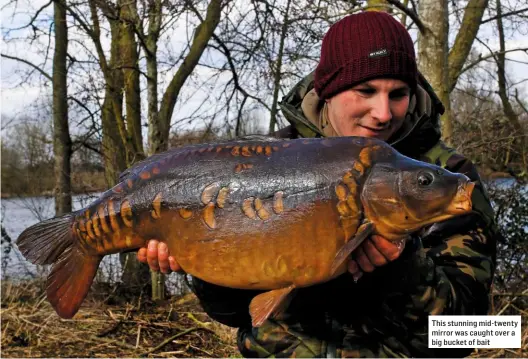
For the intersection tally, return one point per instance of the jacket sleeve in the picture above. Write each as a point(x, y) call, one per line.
point(228, 306)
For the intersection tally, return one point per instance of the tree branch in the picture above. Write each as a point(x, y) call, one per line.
point(464, 39)
point(44, 73)
point(82, 105)
point(223, 48)
point(492, 54)
point(203, 33)
point(521, 104)
point(34, 17)
point(411, 13)
point(515, 12)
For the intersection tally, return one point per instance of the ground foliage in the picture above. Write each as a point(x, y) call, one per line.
point(172, 328)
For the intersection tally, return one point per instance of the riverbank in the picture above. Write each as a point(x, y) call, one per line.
point(174, 328)
point(82, 182)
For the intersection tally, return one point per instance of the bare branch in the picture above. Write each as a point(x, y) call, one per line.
point(521, 104)
point(409, 12)
point(464, 39)
point(30, 23)
point(15, 58)
point(203, 33)
point(515, 12)
point(492, 54)
point(225, 50)
point(82, 105)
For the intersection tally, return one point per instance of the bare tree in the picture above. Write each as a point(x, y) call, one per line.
point(130, 65)
point(203, 33)
point(503, 94)
point(278, 68)
point(433, 54)
point(62, 145)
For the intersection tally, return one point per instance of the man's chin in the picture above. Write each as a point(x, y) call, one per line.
point(380, 135)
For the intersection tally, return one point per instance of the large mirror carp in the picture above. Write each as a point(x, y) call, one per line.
point(259, 213)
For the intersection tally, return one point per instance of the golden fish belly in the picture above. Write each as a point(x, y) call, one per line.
point(297, 247)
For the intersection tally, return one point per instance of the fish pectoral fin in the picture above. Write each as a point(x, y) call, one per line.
point(269, 304)
point(364, 231)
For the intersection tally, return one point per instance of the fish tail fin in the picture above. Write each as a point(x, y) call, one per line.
point(45, 241)
point(53, 242)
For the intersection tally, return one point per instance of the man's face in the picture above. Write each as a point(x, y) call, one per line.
point(374, 108)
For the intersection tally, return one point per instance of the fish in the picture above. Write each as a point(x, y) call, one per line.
point(256, 213)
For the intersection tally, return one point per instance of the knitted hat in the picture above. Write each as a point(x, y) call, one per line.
point(361, 47)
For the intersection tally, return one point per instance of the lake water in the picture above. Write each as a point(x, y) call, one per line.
point(17, 215)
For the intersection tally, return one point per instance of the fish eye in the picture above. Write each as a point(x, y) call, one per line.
point(425, 178)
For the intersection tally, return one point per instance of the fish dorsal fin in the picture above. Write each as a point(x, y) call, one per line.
point(364, 231)
point(141, 165)
point(269, 304)
point(256, 137)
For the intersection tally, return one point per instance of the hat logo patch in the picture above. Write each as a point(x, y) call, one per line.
point(378, 53)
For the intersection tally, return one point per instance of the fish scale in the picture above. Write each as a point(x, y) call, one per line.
point(260, 213)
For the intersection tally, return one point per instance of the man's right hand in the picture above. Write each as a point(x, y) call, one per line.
point(156, 255)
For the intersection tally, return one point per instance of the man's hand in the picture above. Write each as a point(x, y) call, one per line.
point(376, 251)
point(157, 256)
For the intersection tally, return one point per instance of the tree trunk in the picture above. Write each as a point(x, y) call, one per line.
point(278, 68)
point(136, 276)
point(112, 71)
point(378, 5)
point(154, 128)
point(433, 55)
point(114, 152)
point(203, 33)
point(503, 94)
point(62, 146)
point(129, 63)
point(464, 39)
point(151, 50)
point(403, 18)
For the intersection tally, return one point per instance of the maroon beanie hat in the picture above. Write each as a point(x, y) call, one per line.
point(361, 47)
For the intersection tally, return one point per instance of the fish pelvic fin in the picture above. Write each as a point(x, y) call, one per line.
point(364, 231)
point(270, 304)
point(53, 242)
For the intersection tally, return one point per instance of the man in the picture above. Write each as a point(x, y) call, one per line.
point(367, 84)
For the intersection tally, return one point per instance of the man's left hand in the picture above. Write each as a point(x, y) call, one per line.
point(375, 251)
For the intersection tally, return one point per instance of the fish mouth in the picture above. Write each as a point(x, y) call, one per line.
point(462, 202)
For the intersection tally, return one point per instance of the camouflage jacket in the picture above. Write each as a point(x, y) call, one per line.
point(448, 269)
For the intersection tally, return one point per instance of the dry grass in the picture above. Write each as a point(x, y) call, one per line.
point(508, 304)
point(174, 328)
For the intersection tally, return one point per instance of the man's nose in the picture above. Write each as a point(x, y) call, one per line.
point(381, 110)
